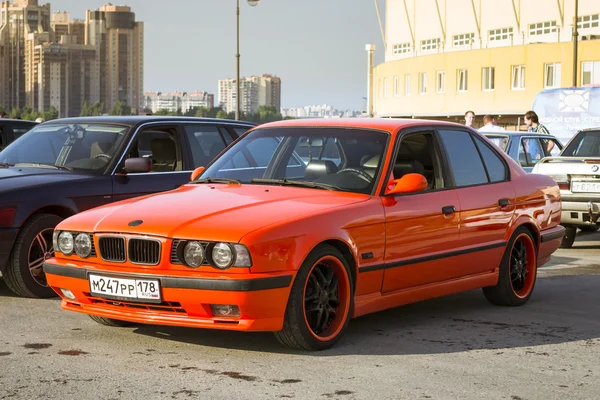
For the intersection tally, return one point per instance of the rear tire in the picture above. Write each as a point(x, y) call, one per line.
point(589, 228)
point(517, 273)
point(320, 302)
point(569, 238)
point(24, 274)
point(111, 322)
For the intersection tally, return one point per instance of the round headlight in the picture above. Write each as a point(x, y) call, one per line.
point(65, 243)
point(83, 245)
point(222, 255)
point(193, 254)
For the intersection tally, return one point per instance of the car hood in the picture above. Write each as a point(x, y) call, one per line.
point(209, 211)
point(12, 178)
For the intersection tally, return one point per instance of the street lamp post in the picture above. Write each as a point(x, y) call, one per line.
point(237, 56)
point(575, 44)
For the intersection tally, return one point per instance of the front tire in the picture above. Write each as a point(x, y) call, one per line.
point(24, 274)
point(111, 321)
point(589, 228)
point(320, 302)
point(569, 238)
point(518, 271)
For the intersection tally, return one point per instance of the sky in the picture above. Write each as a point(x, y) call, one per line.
point(316, 47)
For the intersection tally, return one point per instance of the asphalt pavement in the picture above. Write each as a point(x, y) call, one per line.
point(455, 347)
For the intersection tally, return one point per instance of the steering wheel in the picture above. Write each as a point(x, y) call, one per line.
point(358, 172)
point(103, 155)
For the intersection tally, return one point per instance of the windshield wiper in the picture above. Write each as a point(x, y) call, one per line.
point(294, 183)
point(61, 167)
point(217, 180)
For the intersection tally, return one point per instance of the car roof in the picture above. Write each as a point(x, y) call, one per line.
point(387, 124)
point(17, 121)
point(138, 119)
point(517, 133)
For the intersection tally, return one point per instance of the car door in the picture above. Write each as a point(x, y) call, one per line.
point(486, 197)
point(531, 151)
point(422, 229)
point(164, 144)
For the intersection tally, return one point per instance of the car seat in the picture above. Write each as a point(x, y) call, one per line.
point(164, 155)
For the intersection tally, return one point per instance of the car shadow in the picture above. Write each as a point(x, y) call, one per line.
point(562, 309)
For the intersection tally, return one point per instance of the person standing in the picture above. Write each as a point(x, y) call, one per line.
point(489, 124)
point(470, 119)
point(533, 123)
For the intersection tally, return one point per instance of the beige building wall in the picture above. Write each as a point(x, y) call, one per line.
point(428, 37)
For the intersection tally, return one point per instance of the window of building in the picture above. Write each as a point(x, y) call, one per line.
point(396, 86)
point(487, 78)
point(440, 81)
point(407, 84)
point(500, 34)
point(430, 44)
point(401, 48)
point(588, 21)
point(518, 77)
point(542, 28)
point(385, 87)
point(462, 80)
point(423, 82)
point(590, 72)
point(552, 75)
point(464, 39)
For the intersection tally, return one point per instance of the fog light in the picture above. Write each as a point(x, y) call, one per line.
point(68, 294)
point(225, 310)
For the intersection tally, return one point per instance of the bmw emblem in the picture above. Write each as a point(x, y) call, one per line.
point(137, 222)
point(595, 168)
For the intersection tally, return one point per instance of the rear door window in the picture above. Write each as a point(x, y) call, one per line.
point(465, 162)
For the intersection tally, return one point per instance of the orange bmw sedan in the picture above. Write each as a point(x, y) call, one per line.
point(300, 226)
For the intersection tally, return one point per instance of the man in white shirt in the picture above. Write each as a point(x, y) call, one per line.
point(489, 124)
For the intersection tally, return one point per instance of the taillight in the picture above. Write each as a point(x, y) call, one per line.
point(7, 216)
point(563, 181)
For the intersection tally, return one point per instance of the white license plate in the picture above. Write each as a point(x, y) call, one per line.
point(125, 288)
point(585, 187)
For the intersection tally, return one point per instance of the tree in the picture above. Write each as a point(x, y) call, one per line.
point(50, 114)
point(92, 109)
point(120, 108)
point(221, 114)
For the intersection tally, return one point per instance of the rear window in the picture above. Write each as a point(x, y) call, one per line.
point(585, 144)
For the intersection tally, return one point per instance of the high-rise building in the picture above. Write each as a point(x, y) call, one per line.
point(255, 91)
point(18, 20)
point(119, 41)
point(50, 60)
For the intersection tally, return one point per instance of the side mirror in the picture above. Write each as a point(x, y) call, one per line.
point(138, 164)
point(409, 183)
point(196, 173)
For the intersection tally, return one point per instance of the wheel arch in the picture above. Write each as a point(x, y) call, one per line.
point(344, 248)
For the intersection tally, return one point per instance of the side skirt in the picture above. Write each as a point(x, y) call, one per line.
point(370, 303)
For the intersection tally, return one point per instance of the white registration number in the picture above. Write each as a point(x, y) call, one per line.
point(125, 288)
point(585, 187)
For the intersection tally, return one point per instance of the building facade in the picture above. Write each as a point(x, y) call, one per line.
point(50, 60)
point(255, 91)
point(119, 65)
point(177, 101)
point(18, 20)
point(444, 57)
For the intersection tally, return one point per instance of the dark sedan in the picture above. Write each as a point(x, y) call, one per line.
point(65, 166)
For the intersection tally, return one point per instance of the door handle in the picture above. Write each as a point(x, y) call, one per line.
point(448, 210)
point(503, 202)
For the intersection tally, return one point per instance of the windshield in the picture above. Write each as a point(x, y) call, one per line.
point(586, 144)
point(74, 146)
point(500, 141)
point(333, 158)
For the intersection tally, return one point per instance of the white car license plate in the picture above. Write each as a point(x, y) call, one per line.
point(125, 288)
point(585, 187)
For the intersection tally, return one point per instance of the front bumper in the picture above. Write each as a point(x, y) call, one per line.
point(7, 239)
point(580, 211)
point(261, 298)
